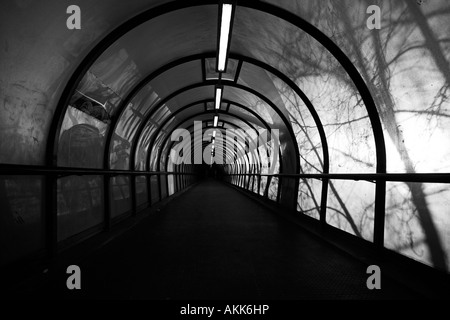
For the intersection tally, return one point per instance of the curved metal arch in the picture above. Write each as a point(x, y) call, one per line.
point(341, 57)
point(230, 84)
point(95, 53)
point(258, 156)
point(213, 83)
point(261, 6)
point(316, 118)
point(291, 84)
point(204, 142)
point(282, 116)
point(227, 154)
point(134, 146)
point(161, 127)
point(201, 58)
point(225, 121)
point(264, 7)
point(164, 142)
point(137, 88)
point(169, 144)
point(133, 151)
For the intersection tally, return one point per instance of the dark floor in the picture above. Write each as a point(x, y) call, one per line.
point(213, 242)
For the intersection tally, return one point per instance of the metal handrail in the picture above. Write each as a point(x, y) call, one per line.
point(398, 177)
point(13, 169)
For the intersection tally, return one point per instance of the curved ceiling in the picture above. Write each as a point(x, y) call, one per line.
point(111, 94)
point(158, 69)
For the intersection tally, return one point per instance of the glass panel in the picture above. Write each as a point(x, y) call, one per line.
point(253, 102)
point(250, 183)
point(120, 195)
point(273, 189)
point(81, 143)
point(350, 207)
point(400, 65)
point(85, 123)
point(21, 219)
point(418, 221)
point(258, 79)
point(190, 96)
point(190, 31)
point(154, 188)
point(117, 71)
point(255, 184)
point(171, 181)
point(141, 150)
point(320, 76)
point(163, 186)
point(79, 205)
point(125, 131)
point(120, 153)
point(121, 142)
point(95, 98)
point(191, 111)
point(145, 100)
point(177, 78)
point(309, 143)
point(309, 197)
point(245, 115)
point(141, 190)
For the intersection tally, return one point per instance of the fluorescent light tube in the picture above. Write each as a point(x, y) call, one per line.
point(224, 35)
point(218, 97)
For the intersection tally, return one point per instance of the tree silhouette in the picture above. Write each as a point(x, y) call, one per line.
point(378, 55)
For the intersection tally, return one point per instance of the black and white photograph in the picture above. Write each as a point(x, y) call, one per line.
point(224, 158)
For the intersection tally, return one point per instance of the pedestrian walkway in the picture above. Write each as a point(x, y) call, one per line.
point(214, 242)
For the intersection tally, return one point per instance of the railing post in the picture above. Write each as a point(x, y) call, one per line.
point(159, 186)
point(133, 194)
point(149, 190)
point(280, 180)
point(51, 218)
point(107, 201)
point(323, 202)
point(379, 212)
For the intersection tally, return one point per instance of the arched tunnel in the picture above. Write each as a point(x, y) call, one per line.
point(225, 149)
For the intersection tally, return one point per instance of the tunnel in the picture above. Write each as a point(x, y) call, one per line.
point(204, 149)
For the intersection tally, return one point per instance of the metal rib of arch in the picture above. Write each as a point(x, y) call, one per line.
point(230, 84)
point(218, 146)
point(269, 9)
point(264, 7)
point(206, 112)
point(193, 117)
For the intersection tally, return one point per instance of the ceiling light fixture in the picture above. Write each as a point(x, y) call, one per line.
point(218, 97)
point(216, 119)
point(224, 37)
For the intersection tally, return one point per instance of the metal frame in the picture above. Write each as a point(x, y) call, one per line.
point(230, 84)
point(270, 9)
point(155, 134)
point(165, 144)
point(209, 127)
